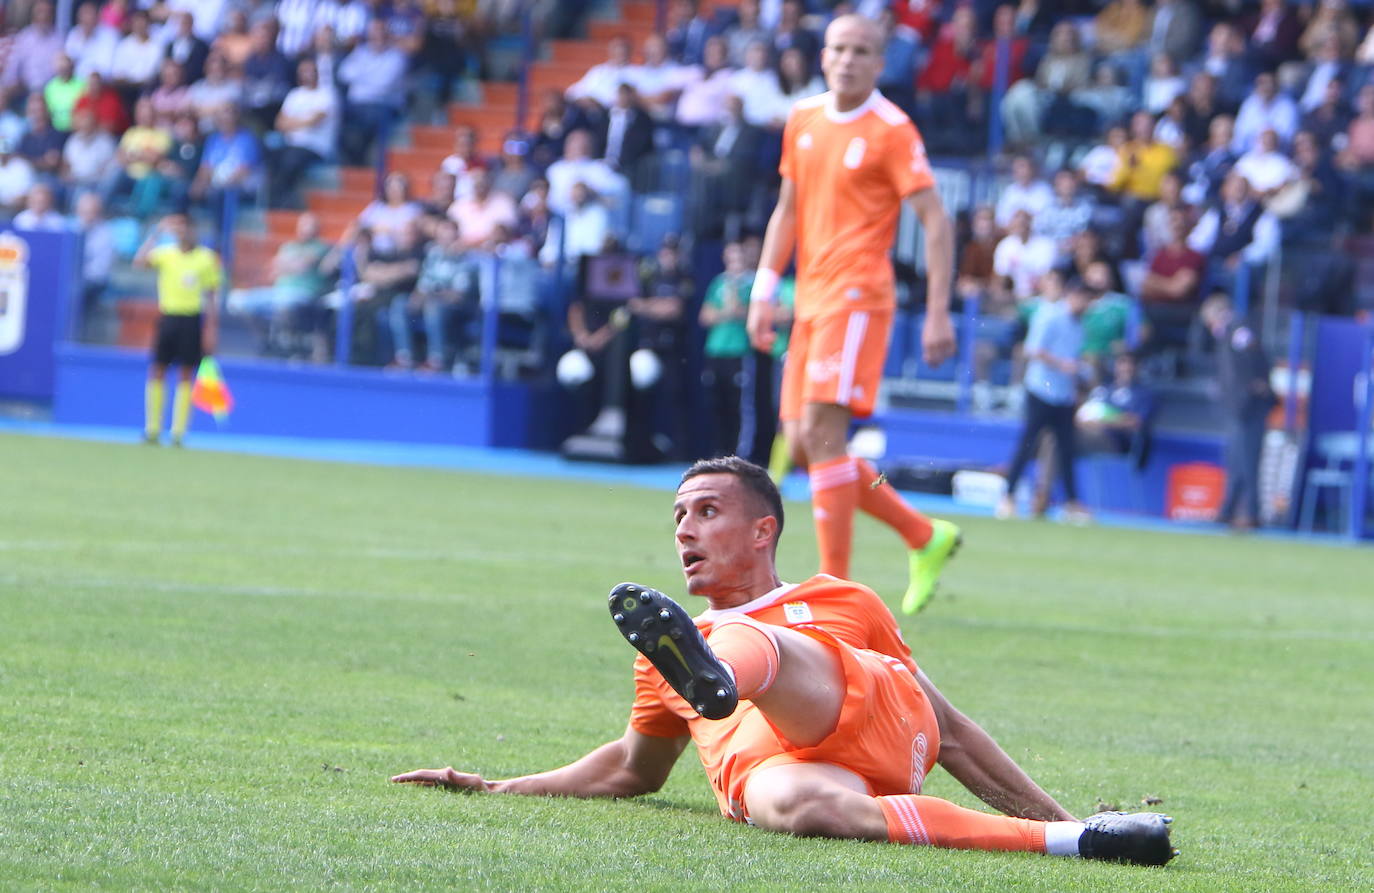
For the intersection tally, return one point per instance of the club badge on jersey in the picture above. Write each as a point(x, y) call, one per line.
point(797, 612)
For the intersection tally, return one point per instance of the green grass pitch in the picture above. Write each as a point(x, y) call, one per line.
point(210, 663)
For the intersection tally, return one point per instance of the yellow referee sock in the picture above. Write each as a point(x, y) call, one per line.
point(154, 397)
point(779, 459)
point(181, 411)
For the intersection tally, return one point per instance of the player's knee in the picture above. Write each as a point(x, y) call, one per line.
point(819, 440)
point(804, 809)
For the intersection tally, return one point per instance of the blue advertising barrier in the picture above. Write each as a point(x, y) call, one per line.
point(38, 278)
point(1339, 412)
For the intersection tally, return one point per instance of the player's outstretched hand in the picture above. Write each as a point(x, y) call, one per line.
point(760, 325)
point(444, 778)
point(937, 338)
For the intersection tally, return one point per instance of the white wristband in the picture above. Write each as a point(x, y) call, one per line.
point(765, 286)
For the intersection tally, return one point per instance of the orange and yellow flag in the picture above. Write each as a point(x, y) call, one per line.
point(210, 393)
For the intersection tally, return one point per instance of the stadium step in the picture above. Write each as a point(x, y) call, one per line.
point(253, 254)
point(332, 225)
point(338, 202)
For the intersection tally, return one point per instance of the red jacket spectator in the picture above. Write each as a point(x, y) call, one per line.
point(918, 15)
point(103, 102)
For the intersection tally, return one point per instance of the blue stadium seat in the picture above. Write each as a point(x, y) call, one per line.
point(653, 216)
point(899, 347)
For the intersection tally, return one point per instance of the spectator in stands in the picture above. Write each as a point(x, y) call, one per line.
point(1116, 414)
point(514, 175)
point(1330, 118)
point(707, 87)
point(556, 119)
point(535, 217)
point(1105, 321)
point(434, 208)
point(657, 82)
point(1214, 162)
point(1320, 194)
point(178, 170)
point(137, 59)
point(328, 55)
point(16, 179)
point(91, 43)
point(1144, 162)
point(374, 76)
point(744, 33)
point(1329, 63)
point(41, 145)
point(1120, 32)
point(687, 32)
point(629, 135)
point(386, 218)
point(1227, 229)
point(900, 48)
point(384, 274)
point(1175, 30)
point(596, 89)
point(87, 154)
point(298, 278)
point(1021, 257)
point(1169, 292)
point(172, 98)
point(61, 93)
point(444, 55)
point(1086, 249)
point(722, 316)
point(142, 147)
point(102, 101)
point(1156, 229)
point(40, 212)
point(1246, 397)
point(444, 298)
point(1273, 33)
point(1069, 213)
point(1226, 61)
point(217, 88)
point(1264, 167)
point(578, 166)
point(1264, 108)
point(231, 163)
point(723, 167)
point(757, 85)
point(97, 251)
point(308, 123)
point(267, 78)
point(1064, 69)
point(1053, 373)
point(465, 160)
point(12, 124)
point(792, 32)
point(33, 54)
point(1163, 85)
point(351, 21)
point(1025, 192)
point(1192, 113)
point(796, 80)
point(406, 24)
point(658, 313)
point(582, 230)
point(946, 89)
point(185, 48)
point(1107, 97)
point(479, 214)
point(976, 259)
point(1331, 21)
point(234, 42)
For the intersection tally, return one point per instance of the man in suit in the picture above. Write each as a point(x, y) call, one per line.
point(629, 135)
point(186, 49)
point(1176, 29)
point(723, 162)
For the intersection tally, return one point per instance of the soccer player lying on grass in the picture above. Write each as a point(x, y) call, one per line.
point(807, 710)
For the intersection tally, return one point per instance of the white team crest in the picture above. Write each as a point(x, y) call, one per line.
point(854, 155)
point(797, 612)
point(804, 141)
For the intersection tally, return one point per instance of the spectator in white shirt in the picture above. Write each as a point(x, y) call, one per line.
point(87, 153)
point(585, 227)
point(91, 44)
point(16, 178)
point(1025, 192)
point(757, 85)
point(1265, 107)
point(481, 213)
point(308, 122)
point(1264, 167)
point(97, 250)
point(40, 213)
point(578, 166)
point(217, 88)
point(464, 160)
point(796, 81)
point(597, 87)
point(33, 51)
point(374, 75)
point(748, 31)
point(704, 94)
point(1022, 258)
point(137, 58)
point(660, 80)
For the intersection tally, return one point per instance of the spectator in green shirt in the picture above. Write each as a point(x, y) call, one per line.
point(723, 314)
point(61, 94)
point(1104, 323)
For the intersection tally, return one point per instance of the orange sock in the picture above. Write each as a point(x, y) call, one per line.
point(834, 497)
point(884, 503)
point(751, 651)
point(913, 818)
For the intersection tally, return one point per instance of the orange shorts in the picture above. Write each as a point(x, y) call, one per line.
point(836, 358)
point(887, 733)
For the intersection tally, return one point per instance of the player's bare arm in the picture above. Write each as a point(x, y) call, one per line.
point(632, 765)
point(778, 242)
point(976, 761)
point(937, 336)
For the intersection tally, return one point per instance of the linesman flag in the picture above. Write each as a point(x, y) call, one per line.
point(210, 393)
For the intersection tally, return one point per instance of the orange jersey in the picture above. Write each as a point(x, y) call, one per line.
point(839, 613)
point(850, 171)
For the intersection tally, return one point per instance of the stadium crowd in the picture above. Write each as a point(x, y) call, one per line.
point(1150, 153)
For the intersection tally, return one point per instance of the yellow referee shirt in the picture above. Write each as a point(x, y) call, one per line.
point(183, 277)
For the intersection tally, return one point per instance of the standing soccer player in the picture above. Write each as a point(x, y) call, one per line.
point(188, 281)
point(850, 159)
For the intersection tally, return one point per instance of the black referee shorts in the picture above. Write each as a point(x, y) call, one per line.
point(178, 341)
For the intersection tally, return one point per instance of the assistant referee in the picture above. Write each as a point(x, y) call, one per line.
point(188, 281)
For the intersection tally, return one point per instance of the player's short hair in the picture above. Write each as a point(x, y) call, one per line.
point(754, 478)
